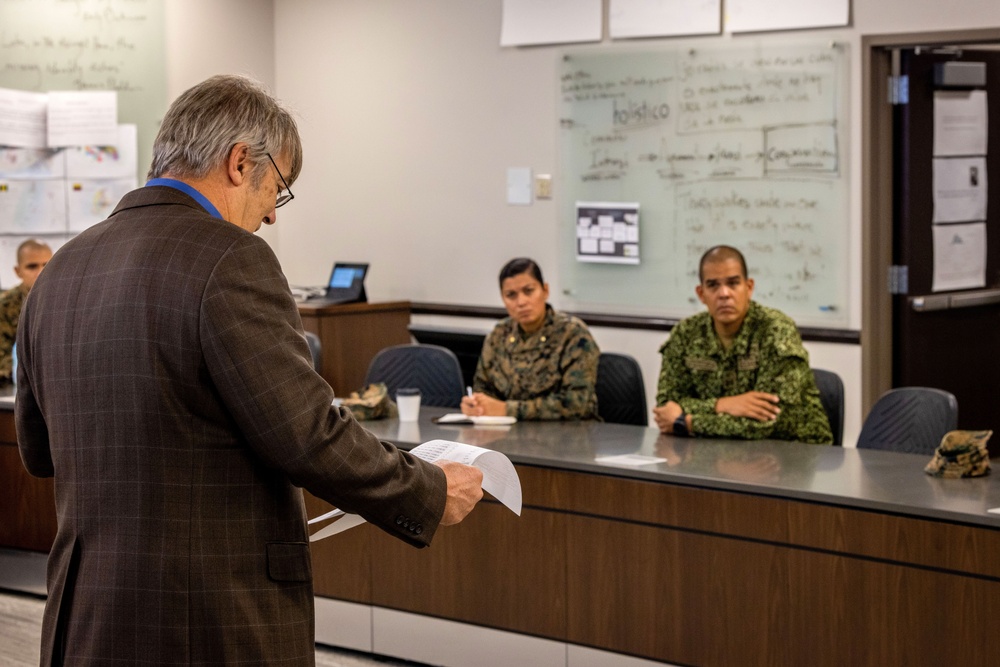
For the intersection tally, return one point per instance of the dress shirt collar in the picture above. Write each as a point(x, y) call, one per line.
point(188, 190)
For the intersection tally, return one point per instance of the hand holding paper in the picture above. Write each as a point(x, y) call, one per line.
point(499, 479)
point(465, 489)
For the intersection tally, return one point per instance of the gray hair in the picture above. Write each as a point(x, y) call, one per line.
point(206, 121)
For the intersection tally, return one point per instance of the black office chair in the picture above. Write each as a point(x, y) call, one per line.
point(621, 394)
point(315, 350)
point(831, 395)
point(909, 419)
point(432, 369)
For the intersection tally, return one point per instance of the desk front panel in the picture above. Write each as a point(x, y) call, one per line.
point(28, 503)
point(809, 525)
point(703, 577)
point(495, 569)
point(708, 599)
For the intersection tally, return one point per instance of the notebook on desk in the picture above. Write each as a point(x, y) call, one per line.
point(346, 285)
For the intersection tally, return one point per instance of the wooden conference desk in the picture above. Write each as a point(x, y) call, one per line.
point(352, 334)
point(27, 504)
point(732, 553)
point(764, 553)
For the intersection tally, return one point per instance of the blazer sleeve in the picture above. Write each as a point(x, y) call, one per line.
point(259, 362)
point(32, 432)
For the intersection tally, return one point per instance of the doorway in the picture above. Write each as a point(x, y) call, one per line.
point(884, 363)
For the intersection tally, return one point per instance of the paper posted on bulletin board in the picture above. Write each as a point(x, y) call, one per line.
point(607, 232)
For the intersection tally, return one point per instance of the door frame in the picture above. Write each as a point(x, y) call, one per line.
point(877, 195)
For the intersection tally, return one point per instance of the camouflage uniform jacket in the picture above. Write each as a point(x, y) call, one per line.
point(10, 311)
point(767, 355)
point(547, 375)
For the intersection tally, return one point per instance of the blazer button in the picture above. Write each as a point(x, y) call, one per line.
point(419, 529)
point(406, 525)
point(399, 520)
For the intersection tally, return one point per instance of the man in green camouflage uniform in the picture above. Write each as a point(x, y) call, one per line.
point(739, 370)
point(548, 374)
point(32, 256)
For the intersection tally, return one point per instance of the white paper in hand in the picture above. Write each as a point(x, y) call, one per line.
point(499, 479)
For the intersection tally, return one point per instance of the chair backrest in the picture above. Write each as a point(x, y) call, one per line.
point(467, 345)
point(315, 350)
point(909, 419)
point(432, 369)
point(831, 395)
point(621, 394)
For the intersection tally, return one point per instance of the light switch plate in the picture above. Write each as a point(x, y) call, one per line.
point(543, 186)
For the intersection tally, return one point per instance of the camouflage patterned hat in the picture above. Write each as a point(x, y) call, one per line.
point(961, 454)
point(372, 402)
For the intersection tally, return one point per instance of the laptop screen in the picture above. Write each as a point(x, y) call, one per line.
point(345, 275)
point(347, 283)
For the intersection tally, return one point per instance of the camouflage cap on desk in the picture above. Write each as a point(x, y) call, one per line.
point(961, 454)
point(372, 402)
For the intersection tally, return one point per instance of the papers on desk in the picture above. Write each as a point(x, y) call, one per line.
point(629, 460)
point(485, 420)
point(500, 480)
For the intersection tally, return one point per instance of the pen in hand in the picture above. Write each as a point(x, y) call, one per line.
point(469, 402)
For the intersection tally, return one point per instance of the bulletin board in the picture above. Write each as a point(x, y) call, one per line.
point(83, 45)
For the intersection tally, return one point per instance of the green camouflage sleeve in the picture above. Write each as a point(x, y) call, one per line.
point(676, 382)
point(481, 380)
point(577, 398)
point(784, 371)
point(8, 334)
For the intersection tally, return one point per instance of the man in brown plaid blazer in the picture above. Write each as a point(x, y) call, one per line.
point(165, 382)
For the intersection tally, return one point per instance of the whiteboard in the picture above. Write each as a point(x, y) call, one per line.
point(742, 146)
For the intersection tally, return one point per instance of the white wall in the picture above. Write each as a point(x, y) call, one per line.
point(411, 113)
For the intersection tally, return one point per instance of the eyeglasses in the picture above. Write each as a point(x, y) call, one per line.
point(288, 196)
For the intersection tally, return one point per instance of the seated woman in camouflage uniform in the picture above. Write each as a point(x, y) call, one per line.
point(537, 363)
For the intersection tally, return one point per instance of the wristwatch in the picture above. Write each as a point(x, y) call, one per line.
point(681, 426)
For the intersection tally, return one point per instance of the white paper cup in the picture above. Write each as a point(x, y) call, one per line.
point(408, 402)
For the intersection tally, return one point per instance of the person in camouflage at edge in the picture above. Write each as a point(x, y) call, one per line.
point(739, 370)
point(32, 256)
point(537, 363)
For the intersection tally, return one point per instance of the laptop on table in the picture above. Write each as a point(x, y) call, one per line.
point(346, 285)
